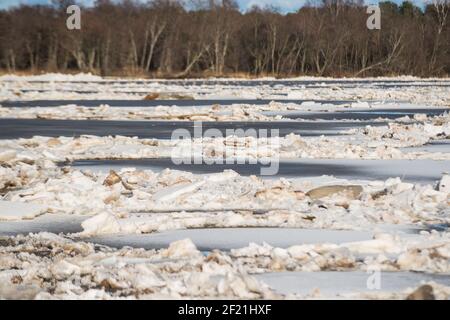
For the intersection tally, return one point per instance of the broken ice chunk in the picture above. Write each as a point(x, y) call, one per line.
point(19, 210)
point(444, 185)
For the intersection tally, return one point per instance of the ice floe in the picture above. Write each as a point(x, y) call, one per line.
point(36, 179)
point(86, 86)
point(142, 201)
point(47, 266)
point(19, 210)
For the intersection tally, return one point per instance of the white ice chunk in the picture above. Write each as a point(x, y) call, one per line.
point(444, 184)
point(171, 193)
point(6, 155)
point(19, 210)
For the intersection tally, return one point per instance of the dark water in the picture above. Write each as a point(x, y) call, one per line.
point(53, 223)
point(422, 171)
point(442, 146)
point(27, 128)
point(367, 114)
point(155, 103)
point(267, 84)
point(340, 282)
point(231, 238)
point(350, 114)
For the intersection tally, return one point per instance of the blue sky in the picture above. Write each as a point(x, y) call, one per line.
point(284, 5)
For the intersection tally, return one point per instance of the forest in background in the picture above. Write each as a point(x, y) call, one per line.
point(162, 38)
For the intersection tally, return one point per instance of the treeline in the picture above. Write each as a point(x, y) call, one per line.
point(164, 38)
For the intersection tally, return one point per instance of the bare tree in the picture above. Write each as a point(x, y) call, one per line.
point(165, 38)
